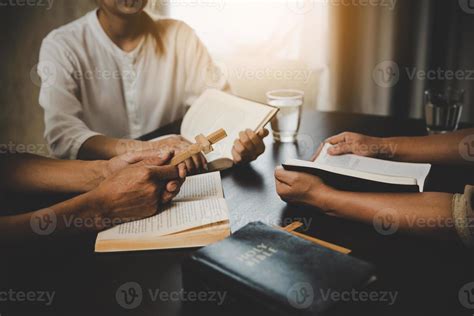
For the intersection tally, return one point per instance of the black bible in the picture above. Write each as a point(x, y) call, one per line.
point(264, 270)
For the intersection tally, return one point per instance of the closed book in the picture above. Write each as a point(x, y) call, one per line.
point(270, 271)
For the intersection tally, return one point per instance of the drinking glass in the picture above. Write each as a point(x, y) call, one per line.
point(443, 110)
point(286, 124)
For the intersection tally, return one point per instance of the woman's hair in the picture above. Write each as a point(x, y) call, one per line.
point(154, 30)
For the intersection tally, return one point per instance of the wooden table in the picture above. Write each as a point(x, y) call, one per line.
point(426, 274)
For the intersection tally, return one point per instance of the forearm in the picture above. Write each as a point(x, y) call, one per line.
point(24, 172)
point(104, 148)
point(437, 149)
point(420, 213)
point(66, 218)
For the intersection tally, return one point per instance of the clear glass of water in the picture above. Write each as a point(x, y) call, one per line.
point(286, 124)
point(443, 110)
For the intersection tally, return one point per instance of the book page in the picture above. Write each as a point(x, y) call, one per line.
point(416, 171)
point(178, 217)
point(203, 186)
point(216, 109)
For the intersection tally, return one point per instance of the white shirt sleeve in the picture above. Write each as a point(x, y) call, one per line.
point(65, 131)
point(202, 72)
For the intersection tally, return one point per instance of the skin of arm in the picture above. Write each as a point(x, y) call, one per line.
point(436, 149)
point(134, 192)
point(418, 213)
point(30, 173)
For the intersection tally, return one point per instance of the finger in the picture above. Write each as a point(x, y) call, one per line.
point(197, 163)
point(340, 138)
point(263, 133)
point(172, 186)
point(204, 162)
point(256, 141)
point(164, 172)
point(190, 166)
point(156, 156)
point(340, 149)
point(240, 149)
point(246, 142)
point(236, 156)
point(160, 160)
point(167, 197)
point(285, 176)
point(182, 170)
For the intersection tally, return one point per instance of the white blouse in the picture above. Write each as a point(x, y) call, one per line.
point(92, 87)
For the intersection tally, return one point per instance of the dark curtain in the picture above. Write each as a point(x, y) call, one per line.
point(381, 56)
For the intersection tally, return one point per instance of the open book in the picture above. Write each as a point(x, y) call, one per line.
point(215, 109)
point(197, 217)
point(356, 173)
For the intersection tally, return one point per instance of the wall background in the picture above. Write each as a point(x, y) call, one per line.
point(23, 28)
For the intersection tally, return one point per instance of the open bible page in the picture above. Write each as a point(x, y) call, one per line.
point(216, 109)
point(178, 217)
point(203, 186)
point(419, 172)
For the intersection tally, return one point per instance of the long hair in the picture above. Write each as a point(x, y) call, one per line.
point(155, 30)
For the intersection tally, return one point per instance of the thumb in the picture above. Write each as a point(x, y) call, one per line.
point(159, 160)
point(151, 156)
point(165, 172)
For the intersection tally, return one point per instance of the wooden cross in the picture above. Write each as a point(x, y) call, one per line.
point(203, 144)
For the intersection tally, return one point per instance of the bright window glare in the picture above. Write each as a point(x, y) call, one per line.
point(281, 29)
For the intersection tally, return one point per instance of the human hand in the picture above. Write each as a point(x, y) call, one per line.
point(358, 144)
point(194, 165)
point(249, 146)
point(135, 192)
point(301, 188)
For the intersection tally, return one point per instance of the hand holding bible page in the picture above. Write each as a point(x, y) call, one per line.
point(215, 109)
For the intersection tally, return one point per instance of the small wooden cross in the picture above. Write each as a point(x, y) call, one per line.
point(203, 144)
